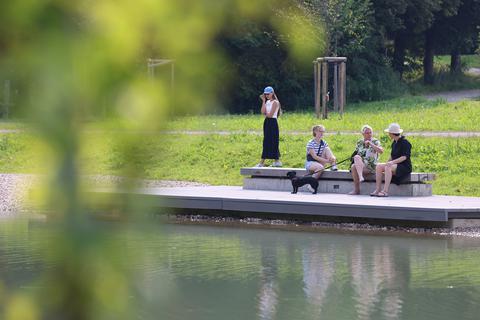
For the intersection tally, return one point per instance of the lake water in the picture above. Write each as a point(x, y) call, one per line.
point(213, 272)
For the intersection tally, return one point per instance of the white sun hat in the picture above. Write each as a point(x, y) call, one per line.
point(394, 128)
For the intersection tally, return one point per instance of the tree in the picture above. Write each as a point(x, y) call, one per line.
point(449, 8)
point(456, 34)
point(260, 55)
point(414, 18)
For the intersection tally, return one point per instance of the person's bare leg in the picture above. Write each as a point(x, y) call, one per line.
point(389, 170)
point(356, 181)
point(359, 165)
point(378, 177)
point(328, 155)
point(316, 169)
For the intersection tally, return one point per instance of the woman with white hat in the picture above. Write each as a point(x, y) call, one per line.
point(271, 109)
point(398, 165)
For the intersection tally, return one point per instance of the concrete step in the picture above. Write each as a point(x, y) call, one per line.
point(337, 186)
point(415, 177)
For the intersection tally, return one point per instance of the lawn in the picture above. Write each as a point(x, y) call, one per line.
point(217, 159)
point(413, 114)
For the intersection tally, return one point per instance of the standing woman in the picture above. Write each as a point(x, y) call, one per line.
point(398, 166)
point(271, 109)
point(366, 157)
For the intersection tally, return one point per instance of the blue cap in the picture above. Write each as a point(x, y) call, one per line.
point(268, 90)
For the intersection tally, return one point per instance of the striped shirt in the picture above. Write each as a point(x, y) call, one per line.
point(317, 147)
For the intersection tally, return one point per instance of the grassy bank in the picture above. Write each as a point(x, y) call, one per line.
point(216, 159)
point(414, 114)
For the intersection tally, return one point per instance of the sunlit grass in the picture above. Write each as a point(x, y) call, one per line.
point(217, 159)
point(414, 114)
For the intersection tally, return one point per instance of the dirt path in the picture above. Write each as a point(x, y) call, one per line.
point(449, 96)
point(451, 134)
point(453, 96)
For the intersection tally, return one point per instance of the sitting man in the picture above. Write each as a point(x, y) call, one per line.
point(318, 153)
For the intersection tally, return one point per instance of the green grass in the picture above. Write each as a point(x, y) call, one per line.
point(217, 159)
point(414, 114)
point(469, 60)
point(443, 79)
point(12, 124)
point(18, 153)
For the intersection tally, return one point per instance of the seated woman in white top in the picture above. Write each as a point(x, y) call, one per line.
point(318, 153)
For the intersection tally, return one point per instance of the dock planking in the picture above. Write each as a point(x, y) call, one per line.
point(443, 209)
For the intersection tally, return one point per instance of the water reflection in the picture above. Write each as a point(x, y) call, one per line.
point(318, 274)
point(267, 296)
point(376, 281)
point(199, 272)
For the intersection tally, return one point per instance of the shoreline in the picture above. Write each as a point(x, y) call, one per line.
point(15, 188)
point(322, 227)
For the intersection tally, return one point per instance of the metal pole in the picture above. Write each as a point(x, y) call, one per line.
point(172, 79)
point(6, 97)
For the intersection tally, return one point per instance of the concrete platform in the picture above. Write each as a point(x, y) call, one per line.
point(274, 179)
point(338, 186)
point(441, 209)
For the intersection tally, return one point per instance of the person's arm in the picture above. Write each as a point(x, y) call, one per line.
point(397, 161)
point(405, 150)
point(263, 110)
point(273, 110)
point(312, 153)
point(376, 147)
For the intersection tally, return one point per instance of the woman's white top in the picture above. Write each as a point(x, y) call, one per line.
point(268, 107)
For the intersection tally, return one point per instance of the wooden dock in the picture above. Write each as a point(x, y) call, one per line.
point(453, 211)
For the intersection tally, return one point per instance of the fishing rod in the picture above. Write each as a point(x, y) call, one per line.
point(311, 174)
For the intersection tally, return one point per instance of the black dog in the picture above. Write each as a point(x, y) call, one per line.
point(298, 182)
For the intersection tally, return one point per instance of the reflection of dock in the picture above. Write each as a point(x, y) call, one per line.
point(441, 210)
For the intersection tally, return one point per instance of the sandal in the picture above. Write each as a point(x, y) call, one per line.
point(382, 194)
point(374, 193)
point(354, 193)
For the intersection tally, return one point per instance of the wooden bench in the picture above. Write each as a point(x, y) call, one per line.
point(267, 178)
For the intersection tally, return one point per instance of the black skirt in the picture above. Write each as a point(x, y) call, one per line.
point(401, 173)
point(270, 139)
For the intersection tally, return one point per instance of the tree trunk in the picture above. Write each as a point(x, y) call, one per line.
point(455, 62)
point(428, 58)
point(399, 53)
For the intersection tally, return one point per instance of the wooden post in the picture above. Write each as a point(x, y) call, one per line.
point(343, 80)
point(318, 94)
point(320, 72)
point(324, 88)
point(335, 87)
